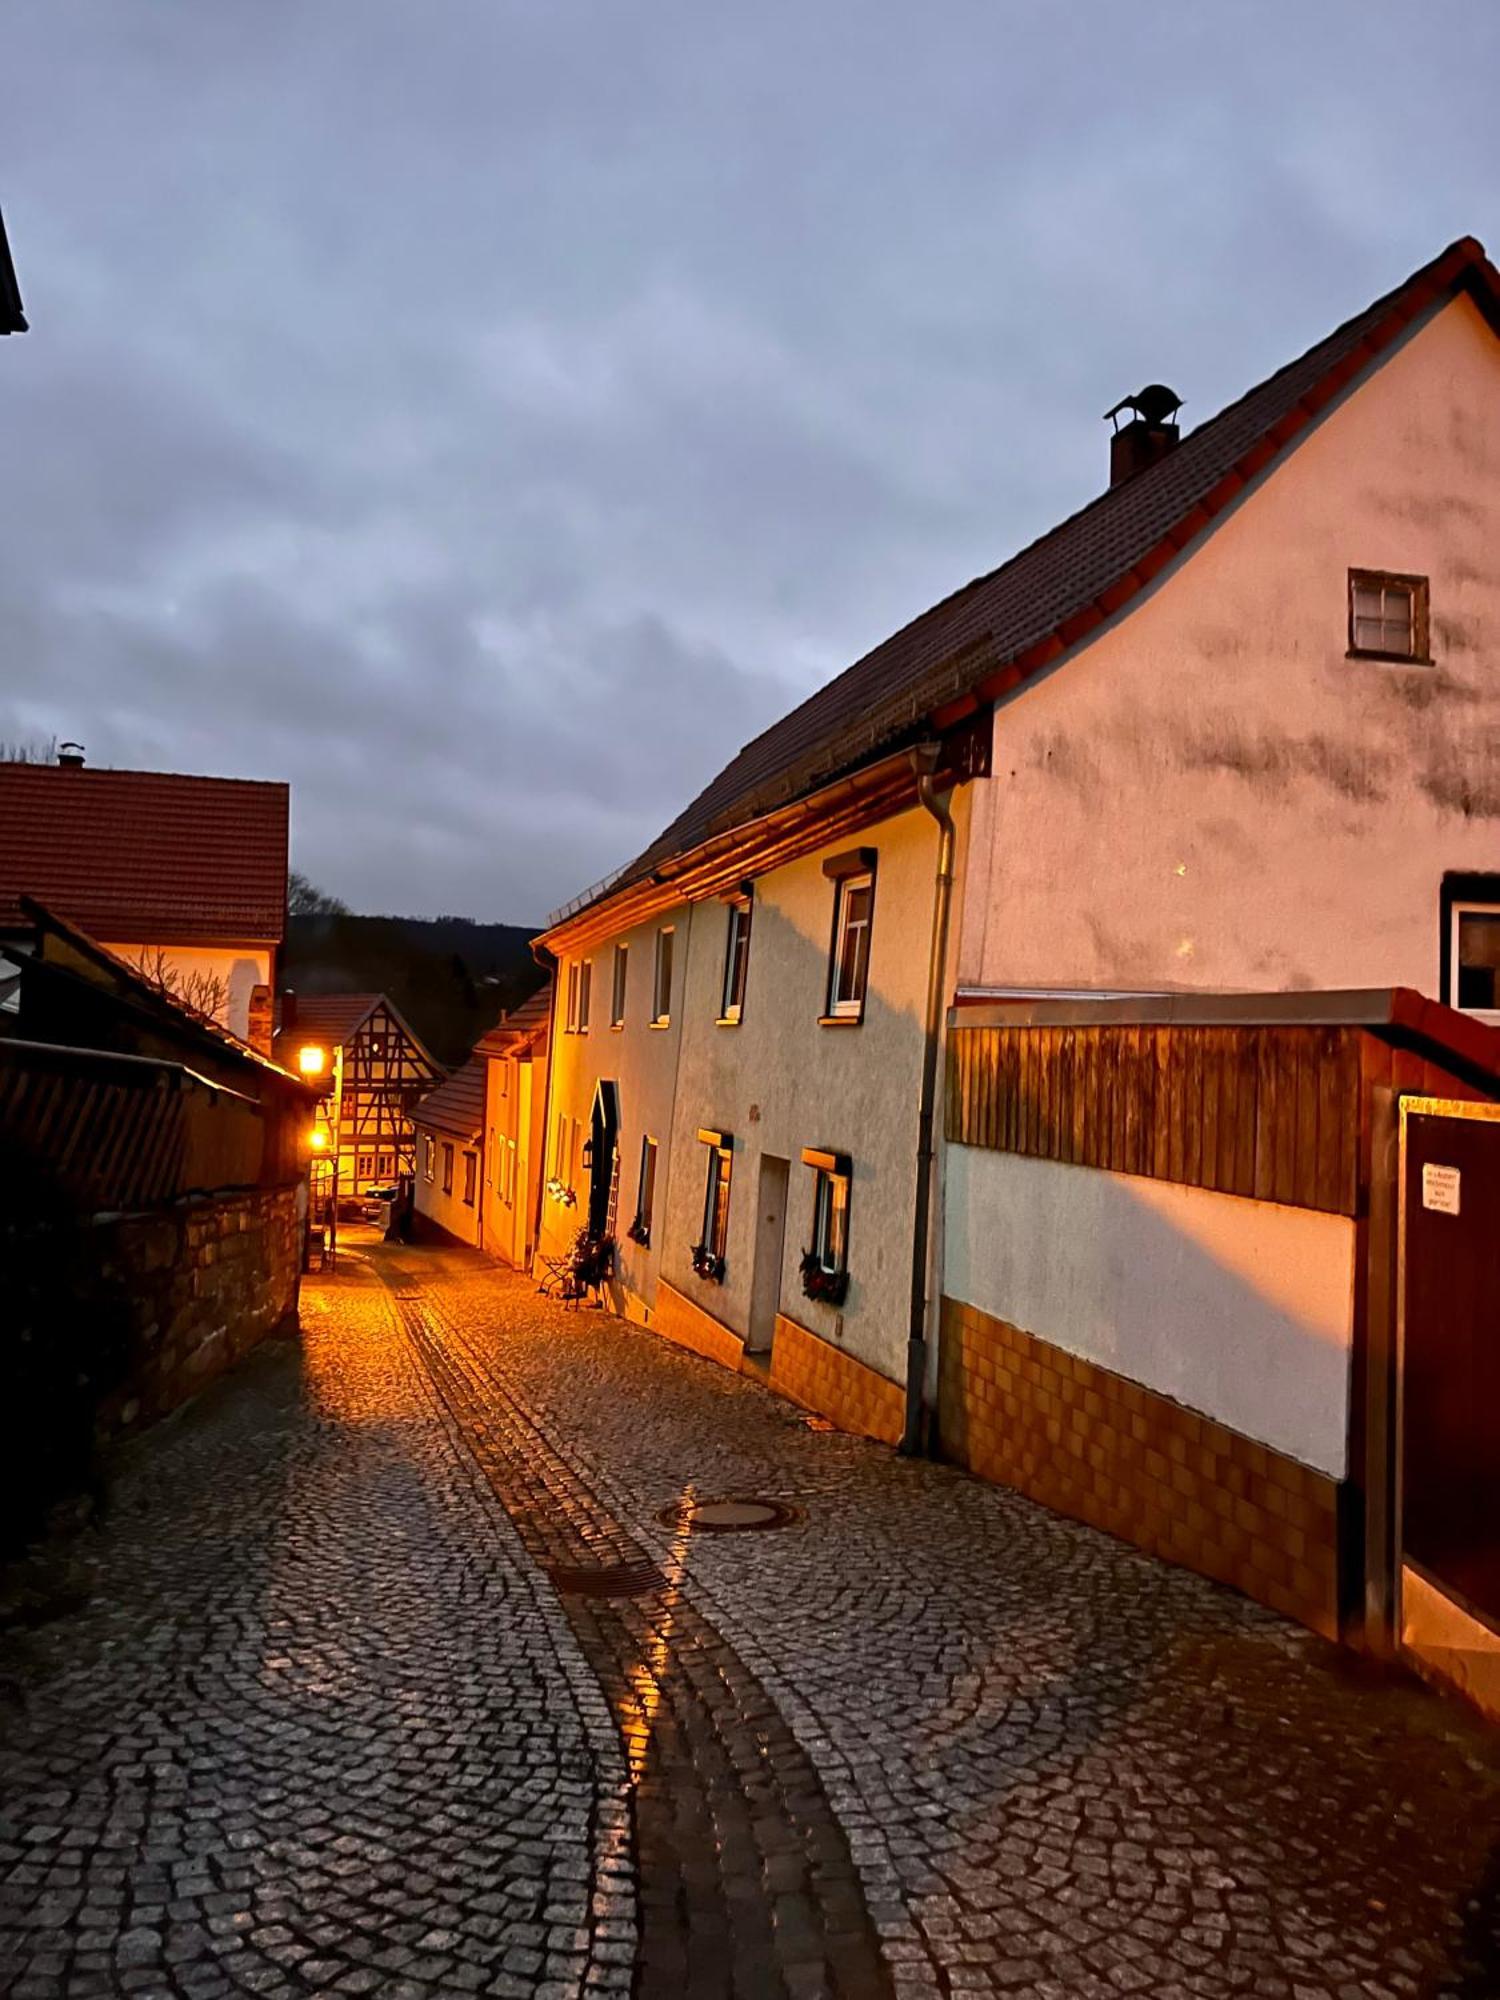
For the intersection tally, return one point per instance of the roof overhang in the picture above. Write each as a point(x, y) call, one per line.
point(1398, 1014)
point(788, 833)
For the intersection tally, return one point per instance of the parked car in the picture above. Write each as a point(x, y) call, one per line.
point(378, 1199)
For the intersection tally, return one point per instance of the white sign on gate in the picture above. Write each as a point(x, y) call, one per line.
point(1440, 1189)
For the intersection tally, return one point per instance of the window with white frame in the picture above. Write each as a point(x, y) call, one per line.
point(661, 999)
point(570, 1014)
point(429, 1157)
point(853, 911)
point(491, 1169)
point(712, 1247)
point(617, 986)
point(1387, 615)
point(736, 959)
point(830, 1220)
point(1474, 958)
point(585, 984)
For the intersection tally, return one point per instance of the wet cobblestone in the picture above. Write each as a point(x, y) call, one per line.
point(323, 1725)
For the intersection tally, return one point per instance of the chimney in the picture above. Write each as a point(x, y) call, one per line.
point(288, 1010)
point(1149, 433)
point(70, 755)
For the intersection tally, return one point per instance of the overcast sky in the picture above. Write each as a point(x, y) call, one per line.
point(487, 416)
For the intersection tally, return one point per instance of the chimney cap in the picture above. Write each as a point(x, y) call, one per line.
point(1156, 404)
point(70, 754)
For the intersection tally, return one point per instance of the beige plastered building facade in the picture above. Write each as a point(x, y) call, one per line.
point(1196, 783)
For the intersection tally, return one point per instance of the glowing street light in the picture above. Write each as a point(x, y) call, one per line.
point(319, 1139)
point(311, 1059)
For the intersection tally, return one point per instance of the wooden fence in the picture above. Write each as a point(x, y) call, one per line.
point(1270, 1112)
point(120, 1132)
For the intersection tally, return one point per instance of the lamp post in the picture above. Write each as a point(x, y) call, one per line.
point(312, 1061)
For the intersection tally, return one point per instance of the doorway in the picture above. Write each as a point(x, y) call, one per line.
point(1449, 1426)
point(770, 1239)
point(604, 1167)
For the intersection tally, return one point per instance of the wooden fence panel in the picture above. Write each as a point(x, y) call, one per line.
point(1270, 1112)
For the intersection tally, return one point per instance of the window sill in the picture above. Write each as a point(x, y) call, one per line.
point(617, 1027)
point(659, 1024)
point(841, 1020)
point(727, 1021)
point(1391, 659)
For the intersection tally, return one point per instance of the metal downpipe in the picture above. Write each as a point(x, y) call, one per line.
point(913, 1439)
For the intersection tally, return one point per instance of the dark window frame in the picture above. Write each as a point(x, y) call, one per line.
point(666, 948)
point(738, 931)
point(1389, 579)
point(471, 1177)
point(1458, 889)
point(619, 984)
point(447, 1166)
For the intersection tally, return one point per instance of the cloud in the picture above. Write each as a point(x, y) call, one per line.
point(489, 417)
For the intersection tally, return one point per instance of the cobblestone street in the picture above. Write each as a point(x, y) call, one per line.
point(398, 1666)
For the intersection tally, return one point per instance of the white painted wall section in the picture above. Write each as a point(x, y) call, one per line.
point(1242, 1310)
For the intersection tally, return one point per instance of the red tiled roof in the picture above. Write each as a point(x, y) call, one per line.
point(992, 634)
point(145, 857)
point(457, 1105)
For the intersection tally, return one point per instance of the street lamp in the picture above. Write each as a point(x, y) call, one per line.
point(312, 1059)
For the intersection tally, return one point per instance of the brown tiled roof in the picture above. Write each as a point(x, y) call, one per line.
point(457, 1105)
point(987, 637)
point(330, 1017)
point(149, 857)
point(524, 1026)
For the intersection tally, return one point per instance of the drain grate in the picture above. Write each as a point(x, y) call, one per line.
point(736, 1514)
point(625, 1579)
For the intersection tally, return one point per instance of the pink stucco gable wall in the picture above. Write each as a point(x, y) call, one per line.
point(1211, 794)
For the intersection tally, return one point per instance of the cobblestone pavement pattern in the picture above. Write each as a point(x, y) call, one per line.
point(325, 1722)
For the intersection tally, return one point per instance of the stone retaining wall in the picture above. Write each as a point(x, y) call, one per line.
point(202, 1284)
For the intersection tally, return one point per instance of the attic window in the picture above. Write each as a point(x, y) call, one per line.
point(1387, 616)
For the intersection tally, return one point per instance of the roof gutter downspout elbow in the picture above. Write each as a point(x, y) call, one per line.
point(914, 1435)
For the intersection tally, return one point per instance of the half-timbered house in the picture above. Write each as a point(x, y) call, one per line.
point(375, 1069)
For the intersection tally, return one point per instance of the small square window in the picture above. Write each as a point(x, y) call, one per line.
point(1387, 615)
point(850, 971)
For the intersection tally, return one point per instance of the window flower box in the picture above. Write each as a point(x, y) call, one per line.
point(829, 1288)
point(707, 1265)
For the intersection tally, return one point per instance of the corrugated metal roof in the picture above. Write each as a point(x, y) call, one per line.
point(153, 857)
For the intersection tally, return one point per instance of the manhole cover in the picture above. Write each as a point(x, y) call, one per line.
point(730, 1516)
point(627, 1579)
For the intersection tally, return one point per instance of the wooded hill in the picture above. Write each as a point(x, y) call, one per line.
point(451, 979)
